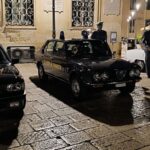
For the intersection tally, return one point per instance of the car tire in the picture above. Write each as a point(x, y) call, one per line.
point(128, 89)
point(18, 113)
point(78, 90)
point(41, 73)
point(23, 104)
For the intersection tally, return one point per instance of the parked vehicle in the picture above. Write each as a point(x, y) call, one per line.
point(131, 51)
point(137, 56)
point(12, 86)
point(86, 64)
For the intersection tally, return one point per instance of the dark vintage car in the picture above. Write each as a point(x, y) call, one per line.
point(86, 64)
point(12, 86)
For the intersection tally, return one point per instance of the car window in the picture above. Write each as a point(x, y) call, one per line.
point(49, 47)
point(3, 57)
point(59, 48)
point(81, 49)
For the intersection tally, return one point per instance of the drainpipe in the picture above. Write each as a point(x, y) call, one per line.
point(1, 5)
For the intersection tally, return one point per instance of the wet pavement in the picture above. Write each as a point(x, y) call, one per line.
point(52, 119)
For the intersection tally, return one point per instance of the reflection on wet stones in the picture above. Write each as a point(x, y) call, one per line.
point(109, 107)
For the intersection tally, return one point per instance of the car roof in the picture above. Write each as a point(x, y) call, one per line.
point(78, 40)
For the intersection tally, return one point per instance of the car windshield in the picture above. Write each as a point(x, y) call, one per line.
point(83, 49)
point(3, 57)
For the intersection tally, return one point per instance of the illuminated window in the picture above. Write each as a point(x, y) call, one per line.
point(82, 13)
point(132, 26)
point(148, 5)
point(19, 12)
point(132, 4)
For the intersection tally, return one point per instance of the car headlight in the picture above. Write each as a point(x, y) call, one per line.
point(15, 87)
point(134, 73)
point(96, 77)
point(101, 77)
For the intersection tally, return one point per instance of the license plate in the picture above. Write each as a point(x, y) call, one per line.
point(120, 85)
point(14, 104)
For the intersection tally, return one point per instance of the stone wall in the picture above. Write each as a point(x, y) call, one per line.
point(42, 29)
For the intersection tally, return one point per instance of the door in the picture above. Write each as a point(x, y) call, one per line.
point(48, 56)
point(59, 60)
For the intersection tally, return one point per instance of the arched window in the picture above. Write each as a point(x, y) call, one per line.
point(82, 13)
point(19, 12)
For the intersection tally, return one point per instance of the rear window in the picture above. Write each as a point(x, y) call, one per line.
point(88, 48)
point(3, 57)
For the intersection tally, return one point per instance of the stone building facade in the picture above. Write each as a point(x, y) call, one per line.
point(29, 22)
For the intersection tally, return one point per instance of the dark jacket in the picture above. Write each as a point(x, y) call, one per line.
point(146, 38)
point(99, 35)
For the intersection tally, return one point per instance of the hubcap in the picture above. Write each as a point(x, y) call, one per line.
point(75, 87)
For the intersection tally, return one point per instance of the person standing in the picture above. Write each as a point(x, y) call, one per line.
point(84, 34)
point(146, 47)
point(99, 34)
point(62, 35)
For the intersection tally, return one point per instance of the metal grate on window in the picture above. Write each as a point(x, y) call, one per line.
point(82, 13)
point(19, 12)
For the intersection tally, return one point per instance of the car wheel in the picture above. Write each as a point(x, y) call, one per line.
point(23, 104)
point(141, 64)
point(77, 88)
point(128, 89)
point(41, 73)
point(18, 113)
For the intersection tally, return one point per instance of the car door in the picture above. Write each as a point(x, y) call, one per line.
point(48, 56)
point(59, 59)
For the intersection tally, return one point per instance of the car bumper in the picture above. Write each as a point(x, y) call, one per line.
point(112, 85)
point(13, 103)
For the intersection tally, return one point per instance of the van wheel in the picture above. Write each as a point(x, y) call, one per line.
point(78, 90)
point(41, 73)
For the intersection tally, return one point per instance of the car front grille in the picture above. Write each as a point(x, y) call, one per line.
point(2, 87)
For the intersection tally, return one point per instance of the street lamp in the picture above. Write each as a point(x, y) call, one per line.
point(53, 16)
point(132, 13)
point(138, 5)
point(129, 18)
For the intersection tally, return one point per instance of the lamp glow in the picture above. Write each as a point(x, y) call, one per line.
point(132, 13)
point(129, 18)
point(138, 6)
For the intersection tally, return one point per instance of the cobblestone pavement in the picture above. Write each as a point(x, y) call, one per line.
point(53, 120)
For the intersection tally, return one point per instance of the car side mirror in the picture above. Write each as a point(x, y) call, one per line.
point(15, 61)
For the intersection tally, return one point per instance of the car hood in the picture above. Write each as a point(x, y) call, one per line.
point(104, 64)
point(9, 73)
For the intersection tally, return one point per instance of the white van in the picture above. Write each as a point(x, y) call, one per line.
point(131, 51)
